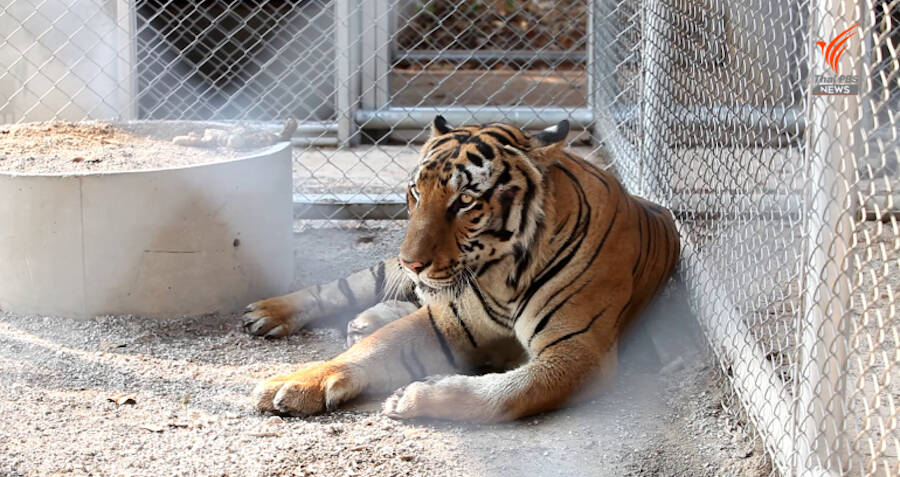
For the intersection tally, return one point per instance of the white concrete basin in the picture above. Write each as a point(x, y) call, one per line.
point(170, 242)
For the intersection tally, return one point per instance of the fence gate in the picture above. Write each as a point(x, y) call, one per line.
point(770, 127)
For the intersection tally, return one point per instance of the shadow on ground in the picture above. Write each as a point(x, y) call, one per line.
point(191, 415)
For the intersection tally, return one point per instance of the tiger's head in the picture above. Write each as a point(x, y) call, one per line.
point(475, 197)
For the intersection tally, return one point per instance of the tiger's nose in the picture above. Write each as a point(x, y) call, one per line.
point(416, 267)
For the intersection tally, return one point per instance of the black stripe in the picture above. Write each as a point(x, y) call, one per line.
point(648, 241)
point(501, 235)
point(661, 279)
point(474, 159)
point(463, 324)
point(622, 313)
point(505, 132)
point(462, 168)
point(348, 293)
point(574, 240)
point(378, 275)
point(576, 333)
point(486, 196)
point(521, 258)
point(504, 176)
point(492, 314)
point(546, 319)
point(439, 142)
point(510, 132)
point(485, 149)
point(588, 167)
point(445, 347)
point(589, 263)
point(640, 244)
point(561, 225)
point(665, 248)
point(458, 136)
point(506, 200)
point(502, 139)
point(487, 265)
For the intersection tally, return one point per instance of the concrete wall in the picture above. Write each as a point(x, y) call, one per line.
point(167, 243)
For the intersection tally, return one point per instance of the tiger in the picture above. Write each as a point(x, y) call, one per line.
point(520, 258)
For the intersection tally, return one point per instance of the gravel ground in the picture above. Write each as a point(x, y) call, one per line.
point(182, 387)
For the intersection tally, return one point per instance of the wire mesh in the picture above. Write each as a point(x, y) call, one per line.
point(786, 199)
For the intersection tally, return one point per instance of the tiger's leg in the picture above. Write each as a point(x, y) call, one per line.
point(282, 315)
point(563, 363)
point(375, 317)
point(416, 346)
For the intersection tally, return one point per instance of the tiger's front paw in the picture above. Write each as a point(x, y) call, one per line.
point(449, 398)
point(271, 318)
point(318, 387)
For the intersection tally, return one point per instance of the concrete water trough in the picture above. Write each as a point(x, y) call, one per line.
point(165, 242)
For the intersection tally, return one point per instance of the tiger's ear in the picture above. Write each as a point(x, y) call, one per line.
point(552, 135)
point(439, 126)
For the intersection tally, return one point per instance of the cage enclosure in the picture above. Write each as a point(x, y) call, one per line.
point(786, 197)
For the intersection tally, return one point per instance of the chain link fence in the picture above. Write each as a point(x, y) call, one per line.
point(784, 190)
point(727, 112)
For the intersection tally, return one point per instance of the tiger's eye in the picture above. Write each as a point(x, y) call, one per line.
point(466, 199)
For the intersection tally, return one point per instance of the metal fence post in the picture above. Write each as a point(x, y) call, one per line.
point(126, 49)
point(657, 69)
point(822, 444)
point(602, 71)
point(346, 36)
point(376, 53)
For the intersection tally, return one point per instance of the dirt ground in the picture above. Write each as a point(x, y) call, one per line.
point(63, 147)
point(183, 388)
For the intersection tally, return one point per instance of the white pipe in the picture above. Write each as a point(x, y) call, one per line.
point(821, 442)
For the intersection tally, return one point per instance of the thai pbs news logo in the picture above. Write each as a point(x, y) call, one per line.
point(835, 84)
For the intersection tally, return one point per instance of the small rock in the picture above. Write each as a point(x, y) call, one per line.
point(121, 399)
point(274, 421)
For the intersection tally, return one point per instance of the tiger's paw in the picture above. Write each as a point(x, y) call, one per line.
point(318, 387)
point(271, 317)
point(370, 320)
point(449, 398)
point(363, 325)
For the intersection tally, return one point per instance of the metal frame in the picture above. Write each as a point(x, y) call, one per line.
point(347, 55)
point(127, 62)
point(489, 56)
